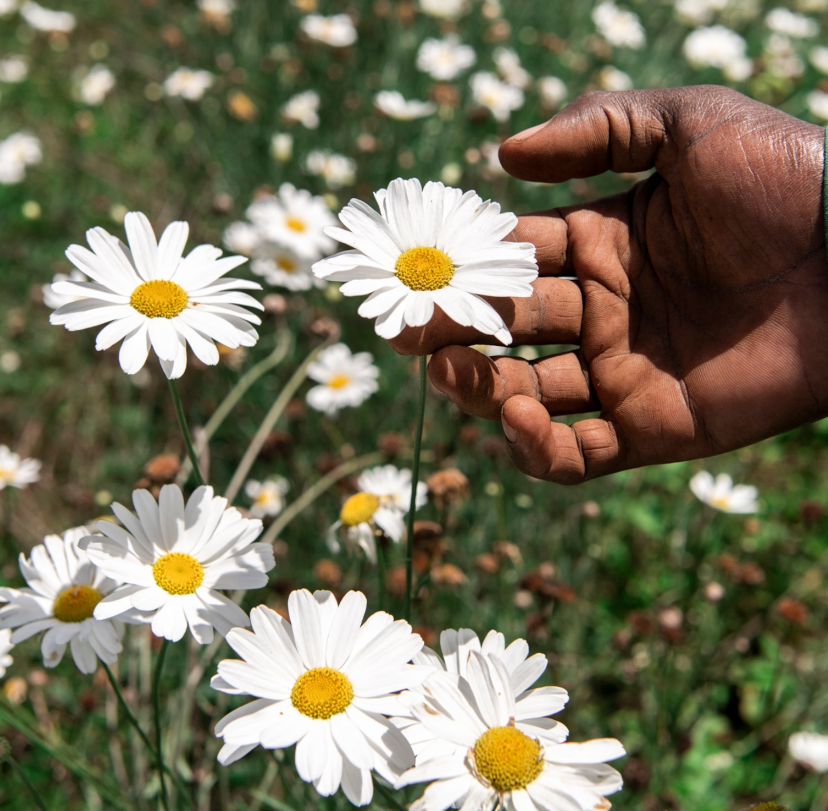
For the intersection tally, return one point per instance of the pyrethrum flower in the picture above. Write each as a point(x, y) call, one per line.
point(345, 379)
point(17, 472)
point(64, 589)
point(444, 9)
point(495, 762)
point(610, 78)
point(336, 170)
point(324, 681)
point(17, 152)
point(394, 105)
point(499, 97)
point(281, 267)
point(173, 560)
point(268, 497)
point(811, 749)
point(94, 84)
point(337, 30)
point(6, 661)
point(714, 46)
point(721, 494)
point(429, 246)
point(13, 69)
point(443, 59)
point(383, 499)
point(303, 108)
point(508, 65)
point(188, 83)
point(149, 296)
point(618, 26)
point(44, 19)
point(552, 90)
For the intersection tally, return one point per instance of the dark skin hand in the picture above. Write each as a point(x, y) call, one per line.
point(701, 308)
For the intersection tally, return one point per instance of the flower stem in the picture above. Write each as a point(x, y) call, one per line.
point(188, 440)
point(23, 776)
point(415, 478)
point(380, 574)
point(156, 703)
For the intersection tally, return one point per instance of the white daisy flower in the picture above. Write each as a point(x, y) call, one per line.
point(44, 19)
point(785, 21)
point(394, 105)
point(6, 661)
point(53, 300)
point(619, 27)
point(188, 83)
point(268, 497)
point(443, 59)
point(811, 749)
point(495, 762)
point(817, 101)
point(337, 30)
point(174, 559)
point(95, 84)
point(324, 681)
point(499, 97)
point(281, 146)
point(721, 494)
point(819, 58)
point(18, 151)
point(429, 246)
point(17, 472)
point(13, 69)
point(552, 91)
point(64, 589)
point(444, 9)
point(346, 379)
point(336, 170)
point(216, 8)
point(8, 7)
point(149, 296)
point(392, 486)
point(303, 108)
point(295, 219)
point(508, 66)
point(282, 267)
point(610, 78)
point(714, 46)
point(241, 237)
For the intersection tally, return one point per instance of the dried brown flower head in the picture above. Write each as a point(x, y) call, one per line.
point(447, 486)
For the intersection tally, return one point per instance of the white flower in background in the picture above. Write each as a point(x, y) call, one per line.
point(383, 499)
point(715, 46)
point(188, 83)
point(10, 361)
point(8, 7)
point(429, 246)
point(698, 12)
point(811, 749)
point(282, 267)
point(610, 78)
point(17, 472)
point(281, 146)
point(785, 21)
point(13, 69)
point(324, 681)
point(268, 497)
point(18, 151)
point(336, 170)
point(394, 105)
point(337, 30)
point(241, 237)
point(781, 58)
point(499, 97)
point(508, 66)
point(149, 296)
point(552, 91)
point(303, 108)
point(217, 9)
point(295, 219)
point(495, 763)
point(443, 59)
point(618, 26)
point(721, 493)
point(444, 9)
point(739, 70)
point(492, 9)
point(6, 661)
point(817, 102)
point(44, 19)
point(819, 58)
point(51, 299)
point(64, 589)
point(174, 559)
point(94, 84)
point(346, 380)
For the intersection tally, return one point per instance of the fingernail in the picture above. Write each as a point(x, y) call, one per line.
point(522, 136)
point(511, 433)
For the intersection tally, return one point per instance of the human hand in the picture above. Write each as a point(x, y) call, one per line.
point(701, 306)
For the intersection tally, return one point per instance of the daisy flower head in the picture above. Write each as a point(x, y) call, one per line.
point(17, 152)
point(346, 380)
point(6, 660)
point(335, 169)
point(444, 9)
point(17, 472)
point(618, 26)
point(303, 108)
point(338, 30)
point(241, 237)
point(295, 219)
point(188, 83)
point(94, 84)
point(13, 69)
point(174, 558)
point(268, 497)
point(810, 748)
point(508, 65)
point(495, 761)
point(443, 59)
point(392, 486)
point(817, 101)
point(149, 295)
point(64, 589)
point(395, 105)
point(324, 681)
point(721, 494)
point(429, 246)
point(497, 96)
point(47, 20)
point(281, 267)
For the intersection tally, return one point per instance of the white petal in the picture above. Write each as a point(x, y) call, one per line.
point(143, 244)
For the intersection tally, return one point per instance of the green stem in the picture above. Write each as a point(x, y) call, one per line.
point(33, 791)
point(156, 703)
point(415, 478)
point(380, 574)
point(188, 440)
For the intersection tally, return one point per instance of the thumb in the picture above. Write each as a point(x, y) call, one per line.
point(598, 131)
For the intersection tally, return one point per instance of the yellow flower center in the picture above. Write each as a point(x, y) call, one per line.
point(322, 693)
point(424, 269)
point(339, 381)
point(287, 265)
point(159, 299)
point(178, 573)
point(722, 502)
point(358, 509)
point(507, 759)
point(295, 224)
point(76, 604)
